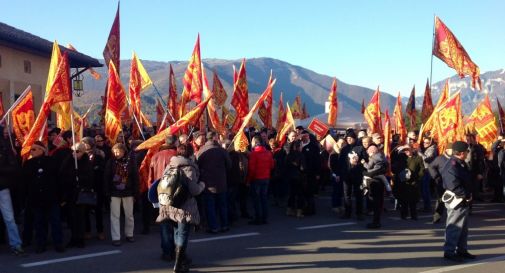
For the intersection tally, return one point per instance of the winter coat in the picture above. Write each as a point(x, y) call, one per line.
point(377, 165)
point(260, 165)
point(97, 161)
point(429, 154)
point(10, 167)
point(159, 162)
point(67, 176)
point(188, 213)
point(311, 154)
point(416, 166)
point(213, 162)
point(42, 187)
point(131, 187)
point(237, 174)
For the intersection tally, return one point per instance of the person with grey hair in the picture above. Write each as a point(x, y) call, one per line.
point(376, 166)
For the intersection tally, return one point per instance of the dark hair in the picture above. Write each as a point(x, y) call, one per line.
point(295, 145)
point(184, 150)
point(66, 134)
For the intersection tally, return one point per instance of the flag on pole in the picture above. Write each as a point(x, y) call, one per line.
point(112, 47)
point(240, 97)
point(192, 81)
point(411, 108)
point(296, 107)
point(218, 90)
point(482, 120)
point(265, 110)
point(449, 121)
point(212, 106)
point(160, 113)
point(23, 116)
point(399, 123)
point(172, 96)
point(116, 104)
point(60, 92)
point(139, 81)
point(289, 124)
point(431, 124)
point(281, 115)
point(501, 117)
point(448, 49)
point(333, 99)
point(373, 113)
point(427, 103)
point(363, 108)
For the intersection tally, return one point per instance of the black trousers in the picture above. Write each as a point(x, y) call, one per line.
point(352, 188)
point(377, 200)
point(76, 220)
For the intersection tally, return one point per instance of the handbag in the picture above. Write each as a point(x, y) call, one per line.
point(86, 197)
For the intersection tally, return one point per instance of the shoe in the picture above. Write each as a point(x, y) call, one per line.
point(225, 229)
point(130, 239)
point(40, 249)
point(466, 255)
point(18, 251)
point(168, 257)
point(299, 213)
point(101, 236)
point(59, 248)
point(246, 216)
point(255, 222)
point(116, 243)
point(181, 263)
point(360, 217)
point(345, 216)
point(87, 236)
point(213, 231)
point(373, 225)
point(71, 244)
point(414, 218)
point(79, 245)
point(290, 212)
point(453, 257)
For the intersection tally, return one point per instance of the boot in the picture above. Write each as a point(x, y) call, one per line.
point(181, 264)
point(299, 213)
point(290, 212)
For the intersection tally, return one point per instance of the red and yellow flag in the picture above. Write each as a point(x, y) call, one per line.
point(501, 117)
point(190, 118)
point(265, 110)
point(60, 92)
point(192, 81)
point(431, 124)
point(411, 108)
point(212, 107)
point(399, 123)
point(483, 121)
point(333, 100)
point(172, 97)
point(448, 49)
point(296, 107)
point(305, 114)
point(160, 113)
point(289, 124)
point(116, 104)
point(112, 47)
point(218, 90)
point(139, 81)
point(373, 113)
point(240, 98)
point(449, 121)
point(363, 108)
point(427, 103)
point(387, 134)
point(23, 116)
point(281, 115)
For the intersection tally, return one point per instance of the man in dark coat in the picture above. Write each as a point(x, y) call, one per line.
point(310, 150)
point(214, 162)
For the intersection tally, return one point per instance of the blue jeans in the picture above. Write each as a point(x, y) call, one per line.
point(167, 237)
point(259, 194)
point(8, 216)
point(213, 202)
point(43, 216)
point(181, 234)
point(425, 190)
point(338, 192)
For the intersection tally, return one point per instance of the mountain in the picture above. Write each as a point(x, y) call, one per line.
point(292, 80)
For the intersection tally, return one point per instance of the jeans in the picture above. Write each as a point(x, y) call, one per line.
point(213, 202)
point(167, 237)
point(44, 216)
point(456, 229)
point(259, 194)
point(425, 190)
point(181, 234)
point(8, 216)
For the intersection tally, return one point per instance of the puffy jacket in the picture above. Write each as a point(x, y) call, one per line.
point(260, 165)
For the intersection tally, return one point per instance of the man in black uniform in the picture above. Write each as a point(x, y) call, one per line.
point(456, 179)
point(435, 169)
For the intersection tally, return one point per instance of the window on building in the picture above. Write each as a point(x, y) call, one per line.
point(28, 67)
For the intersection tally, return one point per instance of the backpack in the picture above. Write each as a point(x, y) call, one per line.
point(173, 188)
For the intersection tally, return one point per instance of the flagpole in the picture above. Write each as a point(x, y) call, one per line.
point(432, 46)
point(10, 136)
point(16, 102)
point(164, 103)
point(135, 118)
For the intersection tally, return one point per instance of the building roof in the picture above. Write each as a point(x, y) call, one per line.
point(27, 42)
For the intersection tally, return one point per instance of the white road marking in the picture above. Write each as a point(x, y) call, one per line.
point(224, 237)
point(326, 226)
point(461, 266)
point(60, 260)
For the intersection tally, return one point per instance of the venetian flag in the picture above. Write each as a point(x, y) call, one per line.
point(296, 107)
point(139, 81)
point(60, 91)
point(411, 108)
point(212, 107)
point(449, 121)
point(265, 110)
point(333, 100)
point(373, 113)
point(427, 103)
point(288, 125)
point(62, 109)
point(399, 123)
point(281, 115)
point(112, 47)
point(431, 124)
point(483, 121)
point(190, 118)
point(23, 116)
point(160, 113)
point(240, 97)
point(218, 90)
point(172, 96)
point(448, 49)
point(192, 81)
point(116, 104)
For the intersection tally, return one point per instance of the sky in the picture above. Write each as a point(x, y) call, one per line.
point(368, 43)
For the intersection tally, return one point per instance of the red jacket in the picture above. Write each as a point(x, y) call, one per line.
point(261, 163)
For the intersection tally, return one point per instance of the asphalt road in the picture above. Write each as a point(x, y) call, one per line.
point(320, 243)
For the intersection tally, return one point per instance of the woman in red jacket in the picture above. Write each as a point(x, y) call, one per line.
point(261, 163)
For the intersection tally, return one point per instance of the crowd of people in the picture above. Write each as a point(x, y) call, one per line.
point(225, 185)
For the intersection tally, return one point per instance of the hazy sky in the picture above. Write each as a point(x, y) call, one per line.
point(367, 43)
